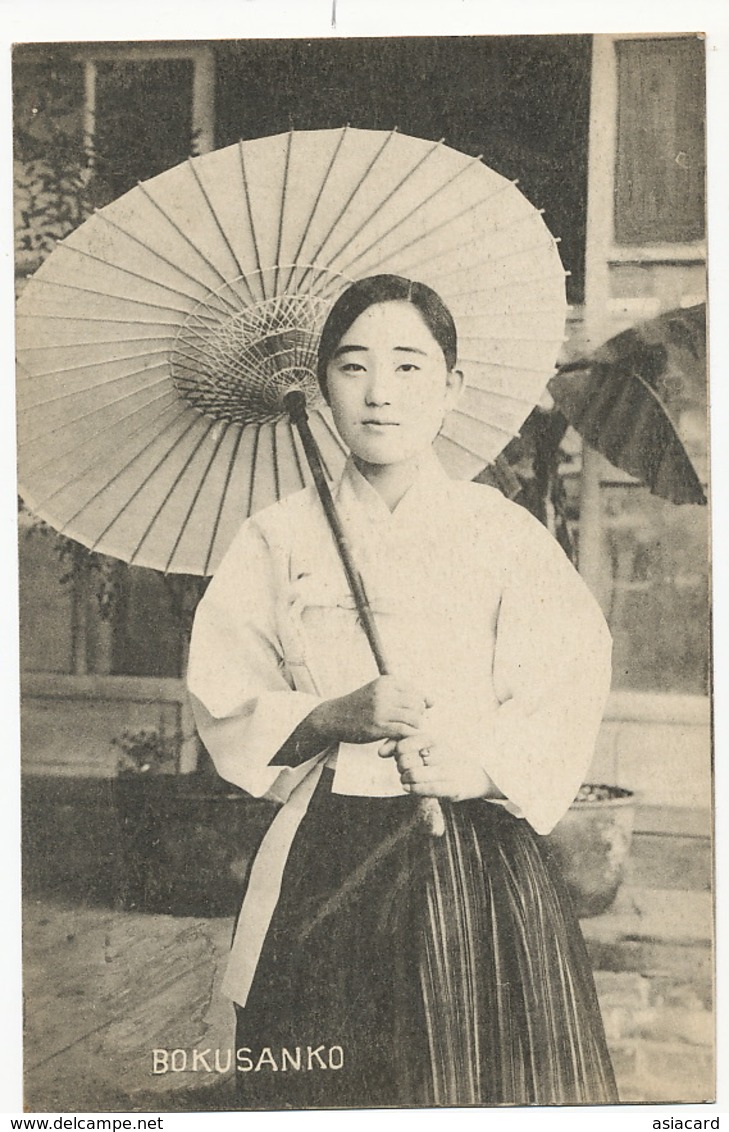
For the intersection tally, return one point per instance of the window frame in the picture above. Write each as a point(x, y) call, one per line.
point(203, 83)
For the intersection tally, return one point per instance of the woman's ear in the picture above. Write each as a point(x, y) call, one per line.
point(455, 382)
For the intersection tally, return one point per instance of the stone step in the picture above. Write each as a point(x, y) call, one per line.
point(670, 861)
point(660, 1031)
point(658, 932)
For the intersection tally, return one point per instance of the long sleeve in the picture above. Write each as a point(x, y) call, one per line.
point(239, 678)
point(551, 676)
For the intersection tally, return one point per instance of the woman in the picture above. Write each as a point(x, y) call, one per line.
point(375, 964)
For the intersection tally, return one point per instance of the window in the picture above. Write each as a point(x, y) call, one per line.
point(91, 120)
point(140, 112)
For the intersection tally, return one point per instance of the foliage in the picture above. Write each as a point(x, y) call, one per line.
point(599, 792)
point(49, 202)
point(51, 169)
point(146, 752)
point(67, 163)
point(184, 592)
point(537, 457)
point(80, 565)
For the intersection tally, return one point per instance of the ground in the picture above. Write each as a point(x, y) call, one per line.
point(104, 989)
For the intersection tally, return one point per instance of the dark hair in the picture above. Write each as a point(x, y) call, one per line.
point(386, 289)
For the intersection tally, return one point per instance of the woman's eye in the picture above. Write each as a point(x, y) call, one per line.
point(352, 367)
point(408, 367)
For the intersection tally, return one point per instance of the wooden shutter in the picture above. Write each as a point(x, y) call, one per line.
point(661, 160)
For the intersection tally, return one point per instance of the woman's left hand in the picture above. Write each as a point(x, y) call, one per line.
point(430, 769)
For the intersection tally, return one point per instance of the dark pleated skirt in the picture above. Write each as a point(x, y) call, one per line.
point(400, 969)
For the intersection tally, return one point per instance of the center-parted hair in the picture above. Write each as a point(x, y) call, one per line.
point(375, 289)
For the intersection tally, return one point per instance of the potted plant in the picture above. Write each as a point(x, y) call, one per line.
point(592, 845)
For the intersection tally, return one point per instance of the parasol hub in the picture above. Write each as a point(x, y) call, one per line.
point(241, 348)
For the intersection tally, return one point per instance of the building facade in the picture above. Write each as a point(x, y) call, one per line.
point(605, 133)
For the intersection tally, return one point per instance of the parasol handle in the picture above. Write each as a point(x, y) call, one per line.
point(295, 402)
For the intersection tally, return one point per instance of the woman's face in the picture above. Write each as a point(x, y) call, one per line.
point(389, 386)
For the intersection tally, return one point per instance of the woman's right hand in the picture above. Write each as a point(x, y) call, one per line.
point(386, 708)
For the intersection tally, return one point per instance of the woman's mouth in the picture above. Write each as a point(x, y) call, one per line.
point(372, 422)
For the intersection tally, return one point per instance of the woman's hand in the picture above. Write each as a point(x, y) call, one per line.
point(387, 708)
point(430, 769)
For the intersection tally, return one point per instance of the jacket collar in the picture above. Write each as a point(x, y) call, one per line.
point(356, 495)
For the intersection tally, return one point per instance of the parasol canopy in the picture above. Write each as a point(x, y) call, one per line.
point(156, 342)
point(641, 401)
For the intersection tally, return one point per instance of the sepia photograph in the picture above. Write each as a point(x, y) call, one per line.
point(364, 572)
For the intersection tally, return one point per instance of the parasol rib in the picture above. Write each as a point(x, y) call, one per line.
point(222, 501)
point(443, 435)
point(199, 335)
point(352, 195)
point(140, 487)
point(94, 365)
point(474, 163)
point(102, 342)
point(322, 422)
point(256, 352)
point(219, 226)
point(381, 204)
point(109, 295)
point(496, 288)
point(87, 416)
point(320, 192)
point(106, 319)
point(505, 338)
point(58, 457)
point(78, 445)
point(298, 451)
point(546, 242)
point(104, 459)
point(196, 495)
point(196, 357)
point(102, 215)
point(332, 431)
point(108, 404)
point(282, 210)
point(138, 275)
point(168, 494)
point(249, 208)
point(536, 370)
point(459, 412)
point(252, 481)
point(67, 395)
point(487, 263)
point(466, 244)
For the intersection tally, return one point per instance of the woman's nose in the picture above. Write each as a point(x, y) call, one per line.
point(379, 388)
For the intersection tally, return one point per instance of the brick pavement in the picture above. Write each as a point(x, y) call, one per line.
point(654, 976)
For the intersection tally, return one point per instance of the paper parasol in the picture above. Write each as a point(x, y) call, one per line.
point(156, 341)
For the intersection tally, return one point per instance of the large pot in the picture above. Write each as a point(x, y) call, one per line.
point(592, 845)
